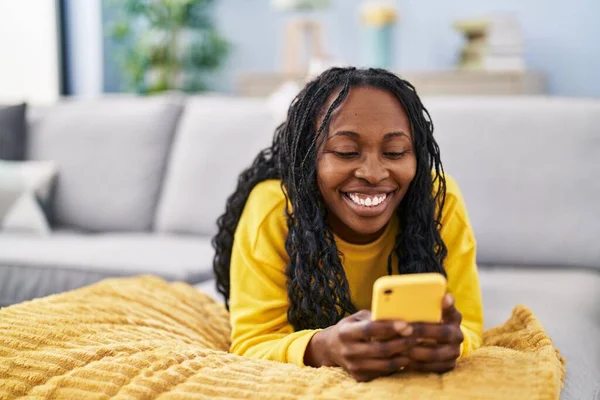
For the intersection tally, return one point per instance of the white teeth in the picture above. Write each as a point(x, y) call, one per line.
point(369, 201)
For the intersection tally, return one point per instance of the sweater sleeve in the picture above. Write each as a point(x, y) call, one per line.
point(258, 296)
point(461, 267)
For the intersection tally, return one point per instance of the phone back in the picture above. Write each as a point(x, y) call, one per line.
point(411, 298)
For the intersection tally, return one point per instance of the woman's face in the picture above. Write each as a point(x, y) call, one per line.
point(366, 163)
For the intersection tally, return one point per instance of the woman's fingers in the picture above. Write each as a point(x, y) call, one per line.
point(434, 354)
point(370, 349)
point(384, 349)
point(447, 301)
point(360, 327)
point(441, 333)
point(446, 332)
point(450, 315)
point(367, 369)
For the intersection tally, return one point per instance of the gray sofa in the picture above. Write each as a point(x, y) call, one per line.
point(142, 181)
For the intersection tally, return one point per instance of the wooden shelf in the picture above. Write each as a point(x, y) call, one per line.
point(430, 83)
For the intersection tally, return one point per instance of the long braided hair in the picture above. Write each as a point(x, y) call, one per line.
point(318, 291)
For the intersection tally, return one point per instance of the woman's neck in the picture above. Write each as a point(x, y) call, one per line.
point(349, 236)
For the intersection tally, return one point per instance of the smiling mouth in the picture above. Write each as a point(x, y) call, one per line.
point(368, 204)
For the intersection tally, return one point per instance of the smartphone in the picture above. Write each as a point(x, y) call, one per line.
point(410, 298)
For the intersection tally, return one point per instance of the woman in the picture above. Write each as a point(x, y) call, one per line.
point(351, 189)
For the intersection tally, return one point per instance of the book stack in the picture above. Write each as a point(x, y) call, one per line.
point(494, 43)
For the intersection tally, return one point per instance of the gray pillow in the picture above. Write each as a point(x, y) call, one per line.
point(12, 132)
point(112, 154)
point(25, 190)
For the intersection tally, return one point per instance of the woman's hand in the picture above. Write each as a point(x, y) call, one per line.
point(366, 349)
point(438, 345)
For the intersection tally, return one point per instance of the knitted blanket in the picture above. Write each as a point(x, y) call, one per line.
point(145, 338)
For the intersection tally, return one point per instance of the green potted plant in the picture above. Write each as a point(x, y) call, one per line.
point(167, 44)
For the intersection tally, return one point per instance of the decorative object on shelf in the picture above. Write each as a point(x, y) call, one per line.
point(167, 45)
point(494, 43)
point(379, 18)
point(303, 34)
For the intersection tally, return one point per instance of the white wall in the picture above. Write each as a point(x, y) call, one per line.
point(562, 37)
point(29, 56)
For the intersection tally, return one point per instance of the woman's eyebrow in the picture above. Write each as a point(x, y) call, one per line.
point(396, 134)
point(345, 133)
point(387, 136)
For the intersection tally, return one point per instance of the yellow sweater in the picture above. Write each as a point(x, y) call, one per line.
point(259, 301)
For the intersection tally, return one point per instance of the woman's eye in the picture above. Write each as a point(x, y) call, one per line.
point(346, 155)
point(394, 155)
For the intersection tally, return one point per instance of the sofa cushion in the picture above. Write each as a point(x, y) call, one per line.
point(528, 169)
point(13, 131)
point(217, 138)
point(111, 155)
point(567, 302)
point(33, 266)
point(25, 195)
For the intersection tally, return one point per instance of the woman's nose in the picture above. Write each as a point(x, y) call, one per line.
point(372, 170)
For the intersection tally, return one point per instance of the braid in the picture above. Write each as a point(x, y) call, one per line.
point(318, 290)
point(315, 272)
point(263, 168)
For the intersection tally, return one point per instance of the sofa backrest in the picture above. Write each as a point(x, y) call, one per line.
point(111, 155)
point(216, 139)
point(528, 169)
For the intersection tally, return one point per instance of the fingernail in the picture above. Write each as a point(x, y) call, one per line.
point(399, 326)
point(407, 331)
point(448, 299)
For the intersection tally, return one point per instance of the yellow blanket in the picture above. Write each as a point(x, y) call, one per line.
point(145, 338)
